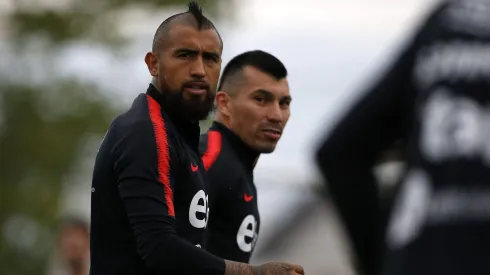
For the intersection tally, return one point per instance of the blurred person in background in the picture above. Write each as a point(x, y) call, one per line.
point(149, 205)
point(252, 111)
point(73, 246)
point(434, 98)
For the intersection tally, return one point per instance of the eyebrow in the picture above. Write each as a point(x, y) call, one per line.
point(212, 54)
point(186, 50)
point(270, 95)
point(194, 51)
point(264, 93)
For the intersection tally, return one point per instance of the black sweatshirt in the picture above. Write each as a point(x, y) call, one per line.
point(234, 221)
point(149, 196)
point(435, 98)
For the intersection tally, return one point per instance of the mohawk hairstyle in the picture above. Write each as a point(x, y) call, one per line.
point(260, 60)
point(195, 10)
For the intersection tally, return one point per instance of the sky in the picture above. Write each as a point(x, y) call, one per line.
point(331, 49)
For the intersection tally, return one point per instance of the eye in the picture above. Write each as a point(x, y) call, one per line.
point(211, 57)
point(184, 55)
point(259, 99)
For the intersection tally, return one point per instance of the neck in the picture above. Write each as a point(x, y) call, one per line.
point(221, 119)
point(248, 154)
point(256, 160)
point(154, 82)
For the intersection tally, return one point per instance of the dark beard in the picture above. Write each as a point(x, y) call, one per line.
point(176, 106)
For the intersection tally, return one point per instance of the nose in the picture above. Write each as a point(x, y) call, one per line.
point(197, 68)
point(275, 114)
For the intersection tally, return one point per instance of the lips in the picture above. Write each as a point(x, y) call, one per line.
point(272, 133)
point(196, 87)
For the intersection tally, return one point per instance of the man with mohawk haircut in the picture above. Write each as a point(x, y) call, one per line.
point(149, 206)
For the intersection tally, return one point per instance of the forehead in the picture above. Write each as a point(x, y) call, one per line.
point(254, 79)
point(188, 36)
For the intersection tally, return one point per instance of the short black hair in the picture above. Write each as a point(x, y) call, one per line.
point(195, 10)
point(260, 60)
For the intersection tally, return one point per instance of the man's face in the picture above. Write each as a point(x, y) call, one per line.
point(74, 244)
point(259, 109)
point(187, 69)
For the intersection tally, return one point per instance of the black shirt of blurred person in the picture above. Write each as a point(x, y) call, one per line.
point(252, 111)
point(435, 99)
point(74, 247)
point(149, 195)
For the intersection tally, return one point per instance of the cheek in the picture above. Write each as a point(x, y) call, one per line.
point(249, 121)
point(213, 75)
point(286, 116)
point(171, 76)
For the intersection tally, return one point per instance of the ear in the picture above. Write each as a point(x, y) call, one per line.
point(223, 103)
point(151, 61)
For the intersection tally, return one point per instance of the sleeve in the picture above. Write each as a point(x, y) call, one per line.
point(346, 157)
point(144, 158)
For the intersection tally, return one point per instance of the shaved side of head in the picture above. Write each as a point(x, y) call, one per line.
point(265, 62)
point(233, 80)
